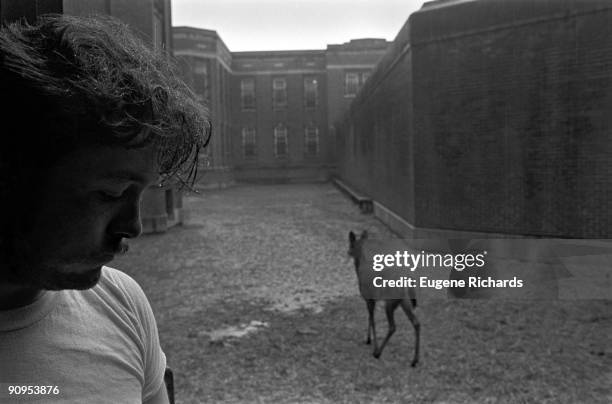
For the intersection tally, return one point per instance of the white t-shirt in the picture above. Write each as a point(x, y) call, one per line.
point(97, 346)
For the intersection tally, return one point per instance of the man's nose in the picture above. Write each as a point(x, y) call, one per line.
point(128, 222)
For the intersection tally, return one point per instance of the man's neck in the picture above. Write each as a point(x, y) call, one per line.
point(13, 296)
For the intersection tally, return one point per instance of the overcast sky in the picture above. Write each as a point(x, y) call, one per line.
point(246, 25)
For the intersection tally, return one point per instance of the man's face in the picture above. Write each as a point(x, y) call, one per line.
point(89, 202)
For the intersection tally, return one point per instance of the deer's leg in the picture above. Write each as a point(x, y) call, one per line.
point(407, 307)
point(390, 306)
point(412, 296)
point(371, 327)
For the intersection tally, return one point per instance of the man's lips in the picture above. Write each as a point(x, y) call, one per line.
point(109, 254)
point(117, 249)
point(121, 248)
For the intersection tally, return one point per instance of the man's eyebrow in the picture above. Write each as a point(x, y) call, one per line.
point(127, 175)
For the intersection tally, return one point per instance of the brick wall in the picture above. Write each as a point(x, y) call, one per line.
point(375, 146)
point(504, 122)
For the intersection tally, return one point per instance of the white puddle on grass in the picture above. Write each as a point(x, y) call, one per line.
point(239, 331)
point(294, 303)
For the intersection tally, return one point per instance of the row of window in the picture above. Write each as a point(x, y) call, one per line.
point(279, 93)
point(352, 83)
point(281, 143)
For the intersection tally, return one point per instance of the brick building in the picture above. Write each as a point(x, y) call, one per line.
point(205, 63)
point(151, 21)
point(274, 112)
point(279, 109)
point(489, 116)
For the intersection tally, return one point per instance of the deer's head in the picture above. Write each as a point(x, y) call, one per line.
point(355, 246)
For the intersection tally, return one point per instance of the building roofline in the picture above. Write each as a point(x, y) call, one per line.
point(361, 43)
point(205, 31)
point(186, 27)
point(278, 53)
point(435, 4)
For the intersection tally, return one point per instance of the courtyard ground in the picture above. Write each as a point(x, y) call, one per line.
point(257, 302)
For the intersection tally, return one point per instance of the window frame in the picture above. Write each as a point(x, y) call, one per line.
point(280, 131)
point(245, 92)
point(249, 133)
point(311, 135)
point(315, 89)
point(279, 95)
point(354, 83)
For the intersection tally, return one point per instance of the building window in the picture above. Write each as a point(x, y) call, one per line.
point(280, 141)
point(364, 77)
point(311, 92)
point(158, 32)
point(247, 94)
point(311, 141)
point(249, 145)
point(279, 93)
point(200, 78)
point(351, 84)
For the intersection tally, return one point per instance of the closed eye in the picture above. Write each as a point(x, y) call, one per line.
point(111, 195)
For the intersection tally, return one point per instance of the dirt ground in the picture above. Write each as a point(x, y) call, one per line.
point(257, 302)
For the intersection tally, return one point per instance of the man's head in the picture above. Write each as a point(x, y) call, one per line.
point(92, 118)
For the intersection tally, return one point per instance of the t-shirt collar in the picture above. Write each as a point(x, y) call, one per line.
point(25, 316)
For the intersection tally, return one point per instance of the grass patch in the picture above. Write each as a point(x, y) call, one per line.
point(248, 253)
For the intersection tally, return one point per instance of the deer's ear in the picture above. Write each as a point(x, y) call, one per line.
point(364, 234)
point(352, 237)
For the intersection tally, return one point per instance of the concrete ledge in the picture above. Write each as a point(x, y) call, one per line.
point(161, 223)
point(161, 209)
point(176, 219)
point(158, 224)
point(393, 221)
point(364, 202)
point(215, 178)
point(214, 185)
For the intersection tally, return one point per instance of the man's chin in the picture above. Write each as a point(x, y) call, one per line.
point(80, 281)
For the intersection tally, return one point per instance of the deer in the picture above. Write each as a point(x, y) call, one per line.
point(371, 296)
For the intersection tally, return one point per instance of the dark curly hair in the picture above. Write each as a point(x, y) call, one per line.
point(72, 81)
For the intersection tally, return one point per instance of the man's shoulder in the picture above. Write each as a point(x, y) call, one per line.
point(113, 276)
point(118, 287)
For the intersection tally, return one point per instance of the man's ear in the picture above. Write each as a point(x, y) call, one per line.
point(364, 234)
